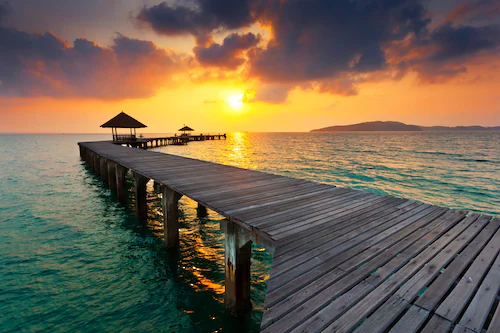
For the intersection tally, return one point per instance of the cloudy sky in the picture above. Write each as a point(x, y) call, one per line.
point(242, 65)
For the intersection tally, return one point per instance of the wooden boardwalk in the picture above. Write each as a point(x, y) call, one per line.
point(346, 260)
point(160, 141)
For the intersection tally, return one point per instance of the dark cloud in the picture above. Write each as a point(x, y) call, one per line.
point(453, 42)
point(198, 20)
point(229, 54)
point(319, 39)
point(45, 65)
point(5, 10)
point(445, 52)
point(475, 11)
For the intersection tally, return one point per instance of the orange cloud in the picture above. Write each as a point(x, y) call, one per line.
point(45, 65)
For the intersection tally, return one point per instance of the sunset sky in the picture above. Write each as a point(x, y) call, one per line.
point(242, 65)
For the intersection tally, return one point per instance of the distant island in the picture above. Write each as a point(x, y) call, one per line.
point(398, 126)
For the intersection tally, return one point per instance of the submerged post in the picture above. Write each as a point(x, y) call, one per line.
point(141, 207)
point(170, 200)
point(110, 172)
point(201, 211)
point(121, 182)
point(238, 251)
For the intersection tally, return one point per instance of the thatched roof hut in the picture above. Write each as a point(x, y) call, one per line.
point(123, 120)
point(186, 129)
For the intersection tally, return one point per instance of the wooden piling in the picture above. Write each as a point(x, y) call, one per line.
point(121, 182)
point(170, 200)
point(82, 153)
point(141, 207)
point(103, 169)
point(201, 211)
point(238, 251)
point(111, 172)
point(97, 168)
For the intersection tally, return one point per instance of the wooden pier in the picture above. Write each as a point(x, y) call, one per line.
point(344, 260)
point(154, 142)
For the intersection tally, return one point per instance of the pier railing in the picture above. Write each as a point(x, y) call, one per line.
point(124, 137)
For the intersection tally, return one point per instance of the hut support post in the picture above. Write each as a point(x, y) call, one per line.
point(111, 172)
point(170, 200)
point(140, 196)
point(238, 250)
point(201, 210)
point(121, 183)
point(103, 169)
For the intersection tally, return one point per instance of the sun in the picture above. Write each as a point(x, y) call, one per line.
point(235, 102)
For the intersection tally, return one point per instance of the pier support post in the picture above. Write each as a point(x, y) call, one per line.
point(141, 206)
point(121, 182)
point(97, 168)
point(201, 211)
point(170, 200)
point(238, 250)
point(82, 153)
point(103, 169)
point(111, 172)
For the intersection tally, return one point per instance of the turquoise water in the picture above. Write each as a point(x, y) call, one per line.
point(74, 259)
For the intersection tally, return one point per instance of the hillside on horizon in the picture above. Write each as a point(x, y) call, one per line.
point(399, 126)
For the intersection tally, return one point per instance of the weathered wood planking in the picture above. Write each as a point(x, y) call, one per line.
point(345, 260)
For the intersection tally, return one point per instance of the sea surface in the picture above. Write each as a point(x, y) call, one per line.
point(73, 259)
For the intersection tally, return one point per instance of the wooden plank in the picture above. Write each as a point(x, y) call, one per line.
point(333, 212)
point(302, 226)
point(251, 195)
point(494, 326)
point(303, 201)
point(306, 244)
point(354, 315)
point(286, 238)
point(382, 318)
point(437, 324)
point(426, 224)
point(366, 213)
point(340, 304)
point(478, 310)
point(221, 189)
point(300, 213)
point(322, 253)
point(443, 224)
point(462, 329)
point(281, 197)
point(322, 294)
point(339, 196)
point(455, 302)
point(411, 321)
point(297, 278)
point(413, 286)
point(443, 283)
point(280, 201)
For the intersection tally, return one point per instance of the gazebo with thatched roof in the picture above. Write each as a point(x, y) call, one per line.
point(123, 120)
point(186, 129)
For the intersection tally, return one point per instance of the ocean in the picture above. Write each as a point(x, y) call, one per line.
point(72, 258)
